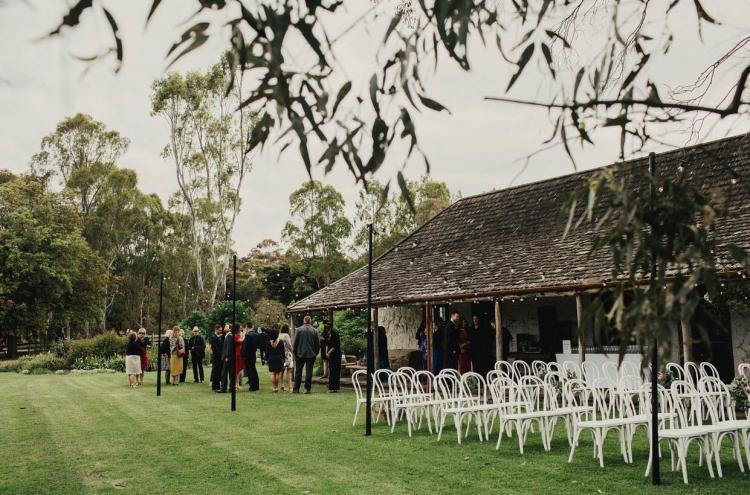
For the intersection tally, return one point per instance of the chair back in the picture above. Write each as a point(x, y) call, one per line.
point(522, 368)
point(424, 380)
point(473, 388)
point(554, 367)
point(716, 399)
point(358, 377)
point(576, 393)
point(692, 373)
point(709, 370)
point(685, 400)
point(380, 382)
point(448, 389)
point(539, 368)
point(507, 368)
point(532, 391)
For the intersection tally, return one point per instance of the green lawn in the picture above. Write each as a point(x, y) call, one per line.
point(92, 434)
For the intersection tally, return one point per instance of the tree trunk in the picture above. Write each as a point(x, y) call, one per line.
point(11, 351)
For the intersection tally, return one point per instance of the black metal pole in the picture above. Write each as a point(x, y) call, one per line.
point(234, 329)
point(655, 474)
point(158, 343)
point(370, 356)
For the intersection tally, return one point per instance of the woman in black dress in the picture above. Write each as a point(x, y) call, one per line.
point(275, 358)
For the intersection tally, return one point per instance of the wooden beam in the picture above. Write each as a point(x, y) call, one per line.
point(375, 343)
point(498, 330)
point(428, 333)
point(687, 341)
point(581, 328)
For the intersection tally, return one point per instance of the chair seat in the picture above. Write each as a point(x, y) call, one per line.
point(735, 424)
point(688, 431)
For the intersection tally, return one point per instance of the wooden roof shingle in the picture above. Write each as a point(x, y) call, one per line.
point(510, 242)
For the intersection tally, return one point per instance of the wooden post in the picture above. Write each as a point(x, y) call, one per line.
point(428, 333)
point(687, 341)
point(375, 340)
point(581, 328)
point(498, 331)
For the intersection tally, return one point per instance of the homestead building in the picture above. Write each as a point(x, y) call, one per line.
point(502, 254)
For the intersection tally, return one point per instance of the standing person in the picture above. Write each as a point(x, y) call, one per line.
point(227, 351)
point(145, 344)
point(132, 360)
point(165, 353)
point(197, 348)
point(438, 331)
point(507, 337)
point(383, 361)
point(215, 341)
point(464, 348)
point(451, 341)
point(275, 359)
point(421, 338)
point(334, 361)
point(261, 341)
point(239, 365)
point(306, 345)
point(248, 353)
point(177, 360)
point(288, 356)
point(324, 347)
point(183, 375)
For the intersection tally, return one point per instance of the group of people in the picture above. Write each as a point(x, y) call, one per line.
point(136, 356)
point(286, 357)
point(174, 352)
point(463, 347)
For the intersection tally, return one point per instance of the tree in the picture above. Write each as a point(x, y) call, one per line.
point(391, 214)
point(317, 230)
point(46, 267)
point(81, 152)
point(208, 146)
point(269, 314)
point(675, 228)
point(610, 86)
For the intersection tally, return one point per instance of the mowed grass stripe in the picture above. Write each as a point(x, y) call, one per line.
point(109, 438)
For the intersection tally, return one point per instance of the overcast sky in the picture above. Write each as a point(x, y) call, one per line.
point(475, 149)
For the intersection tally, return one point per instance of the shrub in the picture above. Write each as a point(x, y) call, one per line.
point(60, 348)
point(37, 364)
point(351, 325)
point(105, 345)
point(116, 363)
point(195, 319)
point(269, 313)
point(222, 313)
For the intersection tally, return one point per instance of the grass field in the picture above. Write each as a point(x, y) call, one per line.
point(92, 434)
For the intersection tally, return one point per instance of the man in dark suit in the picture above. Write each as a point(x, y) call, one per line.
point(248, 354)
point(227, 356)
point(197, 348)
point(451, 341)
point(216, 342)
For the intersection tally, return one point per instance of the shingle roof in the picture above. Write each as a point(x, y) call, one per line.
point(509, 241)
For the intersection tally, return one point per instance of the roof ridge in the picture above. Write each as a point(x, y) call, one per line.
point(631, 161)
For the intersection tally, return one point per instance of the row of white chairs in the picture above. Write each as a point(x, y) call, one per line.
point(519, 398)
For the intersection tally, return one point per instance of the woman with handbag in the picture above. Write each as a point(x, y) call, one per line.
point(288, 357)
point(275, 358)
point(177, 348)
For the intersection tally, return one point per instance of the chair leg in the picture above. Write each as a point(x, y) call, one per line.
point(574, 444)
point(356, 413)
point(717, 453)
point(682, 456)
point(457, 421)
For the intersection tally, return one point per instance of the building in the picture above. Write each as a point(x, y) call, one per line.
point(502, 254)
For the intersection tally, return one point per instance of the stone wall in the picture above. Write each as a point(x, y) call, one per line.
point(401, 323)
point(740, 338)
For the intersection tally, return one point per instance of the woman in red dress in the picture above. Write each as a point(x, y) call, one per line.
point(464, 356)
point(145, 344)
point(238, 362)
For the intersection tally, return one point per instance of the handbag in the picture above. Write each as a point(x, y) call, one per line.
point(180, 351)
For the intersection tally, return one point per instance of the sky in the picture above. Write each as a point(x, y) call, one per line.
point(478, 147)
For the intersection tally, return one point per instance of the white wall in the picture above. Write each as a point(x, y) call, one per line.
point(740, 337)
